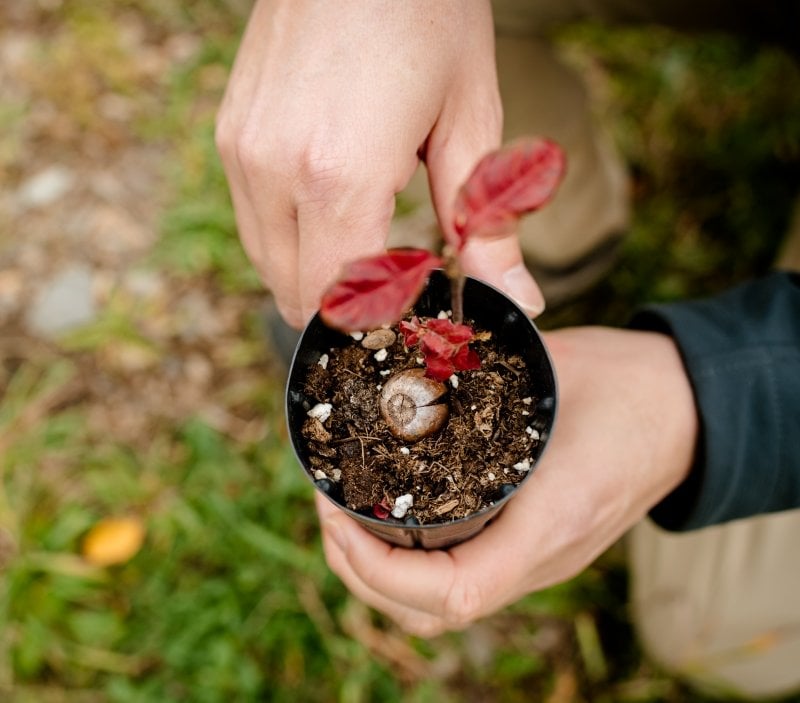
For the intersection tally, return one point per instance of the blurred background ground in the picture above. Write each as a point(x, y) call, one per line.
point(136, 384)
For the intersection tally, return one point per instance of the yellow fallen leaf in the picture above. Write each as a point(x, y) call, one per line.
point(113, 541)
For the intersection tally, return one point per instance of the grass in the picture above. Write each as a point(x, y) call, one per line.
point(148, 413)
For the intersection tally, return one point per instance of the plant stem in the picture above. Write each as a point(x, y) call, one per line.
point(457, 297)
point(457, 279)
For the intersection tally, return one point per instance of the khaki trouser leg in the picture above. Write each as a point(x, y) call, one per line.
point(720, 607)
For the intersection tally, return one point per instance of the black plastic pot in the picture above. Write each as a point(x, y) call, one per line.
point(491, 310)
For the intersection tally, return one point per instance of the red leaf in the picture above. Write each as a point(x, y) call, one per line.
point(381, 510)
point(433, 343)
point(505, 185)
point(444, 347)
point(411, 331)
point(466, 359)
point(437, 367)
point(452, 332)
point(377, 290)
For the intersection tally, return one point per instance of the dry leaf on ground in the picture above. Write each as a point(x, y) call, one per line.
point(113, 541)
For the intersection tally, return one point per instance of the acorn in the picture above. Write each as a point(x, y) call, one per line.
point(410, 405)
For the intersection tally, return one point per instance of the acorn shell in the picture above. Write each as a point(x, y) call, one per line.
point(408, 404)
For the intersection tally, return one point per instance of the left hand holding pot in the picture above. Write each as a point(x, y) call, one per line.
point(624, 439)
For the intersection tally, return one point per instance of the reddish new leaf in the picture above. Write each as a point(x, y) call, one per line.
point(381, 510)
point(443, 344)
point(377, 290)
point(411, 331)
point(466, 359)
point(505, 185)
point(438, 368)
point(452, 332)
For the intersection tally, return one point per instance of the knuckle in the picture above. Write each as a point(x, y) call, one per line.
point(247, 143)
point(252, 151)
point(463, 604)
point(223, 135)
point(290, 311)
point(323, 174)
point(320, 166)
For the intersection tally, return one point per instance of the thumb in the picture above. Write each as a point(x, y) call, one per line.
point(499, 262)
point(450, 160)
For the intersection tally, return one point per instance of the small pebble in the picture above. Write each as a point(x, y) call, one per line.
point(454, 381)
point(525, 412)
point(405, 450)
point(358, 336)
point(381, 355)
point(473, 407)
point(319, 474)
point(323, 361)
point(337, 475)
point(547, 404)
point(325, 485)
point(527, 401)
point(442, 315)
point(492, 477)
point(379, 339)
point(385, 372)
point(534, 433)
point(46, 187)
point(63, 303)
point(321, 411)
point(507, 489)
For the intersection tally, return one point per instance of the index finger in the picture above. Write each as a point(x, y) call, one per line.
point(458, 586)
point(349, 223)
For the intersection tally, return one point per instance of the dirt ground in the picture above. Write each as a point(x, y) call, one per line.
point(86, 168)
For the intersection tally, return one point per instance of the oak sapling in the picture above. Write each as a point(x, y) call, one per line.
point(377, 291)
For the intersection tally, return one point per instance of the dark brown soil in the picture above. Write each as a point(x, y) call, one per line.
point(461, 469)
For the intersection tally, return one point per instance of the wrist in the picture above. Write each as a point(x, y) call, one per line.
point(635, 386)
point(676, 422)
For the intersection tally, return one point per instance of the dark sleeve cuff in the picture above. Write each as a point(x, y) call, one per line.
point(741, 351)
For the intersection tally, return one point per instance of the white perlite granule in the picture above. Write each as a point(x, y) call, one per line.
point(401, 505)
point(321, 411)
point(524, 465)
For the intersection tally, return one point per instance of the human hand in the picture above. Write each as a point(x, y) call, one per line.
point(624, 438)
point(328, 109)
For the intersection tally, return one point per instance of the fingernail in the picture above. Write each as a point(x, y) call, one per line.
point(336, 533)
point(519, 284)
